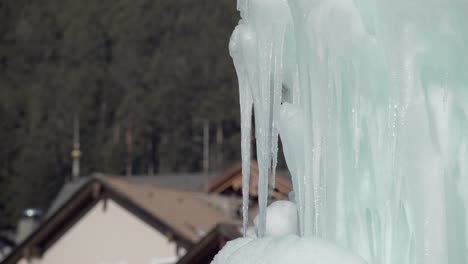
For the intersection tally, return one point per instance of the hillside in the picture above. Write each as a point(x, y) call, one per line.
point(138, 75)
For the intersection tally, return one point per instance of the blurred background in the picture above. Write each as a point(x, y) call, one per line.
point(140, 78)
point(142, 91)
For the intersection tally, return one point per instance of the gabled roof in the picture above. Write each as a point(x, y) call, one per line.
point(179, 181)
point(65, 193)
point(191, 214)
point(184, 216)
point(231, 181)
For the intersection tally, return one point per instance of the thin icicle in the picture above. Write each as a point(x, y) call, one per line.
point(246, 123)
point(277, 94)
point(262, 108)
point(246, 104)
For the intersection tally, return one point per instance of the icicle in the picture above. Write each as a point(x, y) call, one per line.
point(246, 123)
point(246, 103)
point(257, 49)
point(262, 106)
point(277, 80)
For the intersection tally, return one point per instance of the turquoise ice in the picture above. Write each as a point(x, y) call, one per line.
point(370, 98)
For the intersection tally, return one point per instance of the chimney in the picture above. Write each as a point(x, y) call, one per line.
point(27, 223)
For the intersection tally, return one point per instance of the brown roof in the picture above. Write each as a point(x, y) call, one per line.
point(231, 180)
point(184, 216)
point(179, 181)
point(191, 214)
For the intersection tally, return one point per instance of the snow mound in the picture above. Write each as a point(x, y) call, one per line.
point(282, 245)
point(281, 219)
point(289, 249)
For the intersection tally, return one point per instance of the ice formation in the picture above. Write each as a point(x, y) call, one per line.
point(289, 249)
point(370, 98)
point(281, 243)
point(281, 219)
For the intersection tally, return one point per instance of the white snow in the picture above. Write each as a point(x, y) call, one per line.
point(281, 219)
point(290, 249)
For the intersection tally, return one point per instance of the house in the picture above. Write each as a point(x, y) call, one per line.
point(103, 219)
point(230, 182)
point(109, 220)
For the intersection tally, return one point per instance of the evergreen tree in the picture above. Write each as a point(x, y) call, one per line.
point(138, 74)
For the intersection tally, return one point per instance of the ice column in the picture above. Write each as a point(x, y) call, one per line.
point(257, 50)
point(370, 99)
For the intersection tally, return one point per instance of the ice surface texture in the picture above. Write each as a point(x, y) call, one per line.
point(281, 219)
point(282, 244)
point(370, 99)
point(289, 249)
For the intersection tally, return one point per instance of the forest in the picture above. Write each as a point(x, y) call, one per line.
point(139, 77)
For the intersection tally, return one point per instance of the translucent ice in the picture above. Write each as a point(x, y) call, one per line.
point(370, 98)
point(281, 219)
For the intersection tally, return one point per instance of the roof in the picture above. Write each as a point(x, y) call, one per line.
point(181, 181)
point(191, 214)
point(64, 194)
point(185, 216)
point(207, 248)
point(231, 180)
